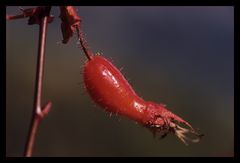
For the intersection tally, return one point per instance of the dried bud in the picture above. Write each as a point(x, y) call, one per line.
point(70, 20)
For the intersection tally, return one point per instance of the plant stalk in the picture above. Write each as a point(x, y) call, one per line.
point(38, 112)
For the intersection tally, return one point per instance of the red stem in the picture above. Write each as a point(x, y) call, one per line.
point(38, 112)
point(31, 137)
point(89, 54)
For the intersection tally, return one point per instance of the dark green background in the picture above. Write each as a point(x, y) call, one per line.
point(180, 56)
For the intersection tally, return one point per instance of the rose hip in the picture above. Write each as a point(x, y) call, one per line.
point(110, 90)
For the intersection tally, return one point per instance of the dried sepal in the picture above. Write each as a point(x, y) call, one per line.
point(70, 21)
point(163, 122)
point(186, 135)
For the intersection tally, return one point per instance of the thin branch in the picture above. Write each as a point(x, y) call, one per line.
point(83, 42)
point(39, 112)
point(24, 13)
point(12, 17)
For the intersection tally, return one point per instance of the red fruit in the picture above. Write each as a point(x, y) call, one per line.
point(109, 89)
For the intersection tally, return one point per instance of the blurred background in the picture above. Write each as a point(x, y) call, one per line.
point(179, 56)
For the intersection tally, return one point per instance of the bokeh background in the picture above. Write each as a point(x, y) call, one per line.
point(180, 56)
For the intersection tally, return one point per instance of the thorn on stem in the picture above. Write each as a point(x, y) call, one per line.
point(45, 110)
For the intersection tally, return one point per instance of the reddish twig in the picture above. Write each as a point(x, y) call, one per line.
point(70, 23)
point(38, 112)
point(25, 13)
point(83, 42)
